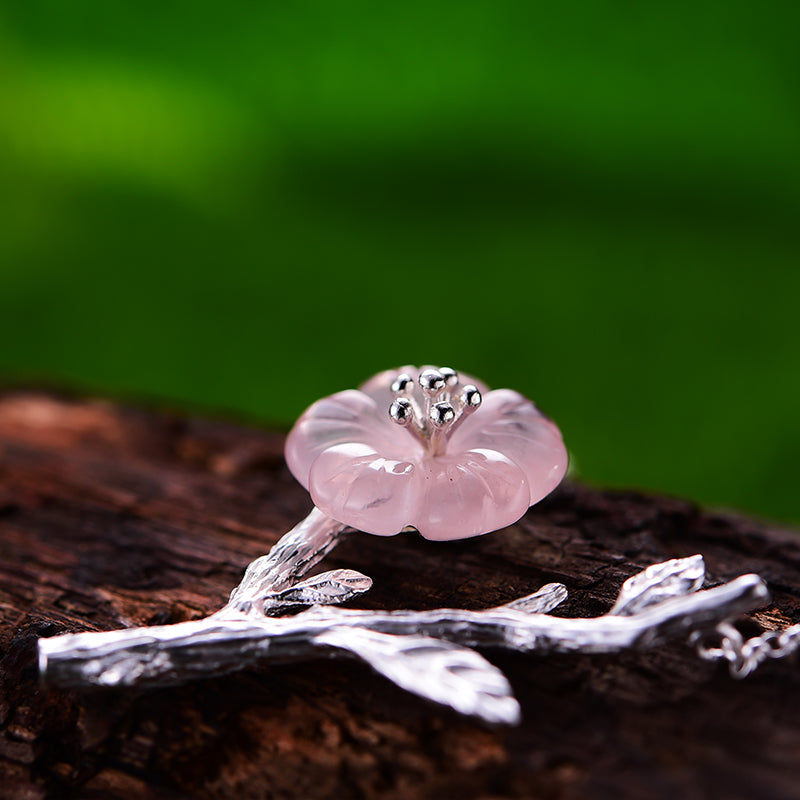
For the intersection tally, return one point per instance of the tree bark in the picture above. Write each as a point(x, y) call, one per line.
point(113, 517)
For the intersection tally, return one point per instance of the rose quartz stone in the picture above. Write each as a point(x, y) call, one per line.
point(365, 471)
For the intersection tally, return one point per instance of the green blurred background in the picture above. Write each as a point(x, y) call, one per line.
point(241, 207)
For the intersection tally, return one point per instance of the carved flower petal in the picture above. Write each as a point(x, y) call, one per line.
point(511, 424)
point(469, 493)
point(345, 417)
point(354, 484)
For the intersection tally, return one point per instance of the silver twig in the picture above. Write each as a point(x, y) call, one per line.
point(426, 652)
point(263, 587)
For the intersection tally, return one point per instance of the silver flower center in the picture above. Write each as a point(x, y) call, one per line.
point(446, 403)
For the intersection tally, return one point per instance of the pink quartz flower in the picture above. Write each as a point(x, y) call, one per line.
point(428, 450)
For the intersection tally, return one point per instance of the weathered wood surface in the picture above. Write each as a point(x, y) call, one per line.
point(112, 516)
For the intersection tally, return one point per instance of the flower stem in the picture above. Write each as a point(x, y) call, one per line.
point(295, 553)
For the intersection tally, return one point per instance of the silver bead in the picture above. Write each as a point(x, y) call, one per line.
point(442, 414)
point(401, 411)
point(471, 397)
point(450, 376)
point(403, 384)
point(432, 382)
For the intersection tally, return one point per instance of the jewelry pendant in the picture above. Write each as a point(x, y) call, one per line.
point(431, 451)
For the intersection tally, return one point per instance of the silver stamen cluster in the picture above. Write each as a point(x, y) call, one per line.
point(445, 404)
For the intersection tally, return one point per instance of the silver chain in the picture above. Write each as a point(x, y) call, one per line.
point(745, 655)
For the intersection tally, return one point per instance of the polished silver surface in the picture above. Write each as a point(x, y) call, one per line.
point(432, 382)
point(471, 397)
point(446, 404)
point(403, 384)
point(469, 401)
point(442, 414)
point(450, 376)
point(428, 653)
point(744, 656)
point(401, 411)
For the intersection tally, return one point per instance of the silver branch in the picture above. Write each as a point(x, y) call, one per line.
point(428, 653)
point(297, 551)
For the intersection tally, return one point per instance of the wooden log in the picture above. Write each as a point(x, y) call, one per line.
point(113, 516)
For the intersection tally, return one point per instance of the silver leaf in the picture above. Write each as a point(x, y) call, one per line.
point(546, 599)
point(329, 588)
point(674, 578)
point(432, 668)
